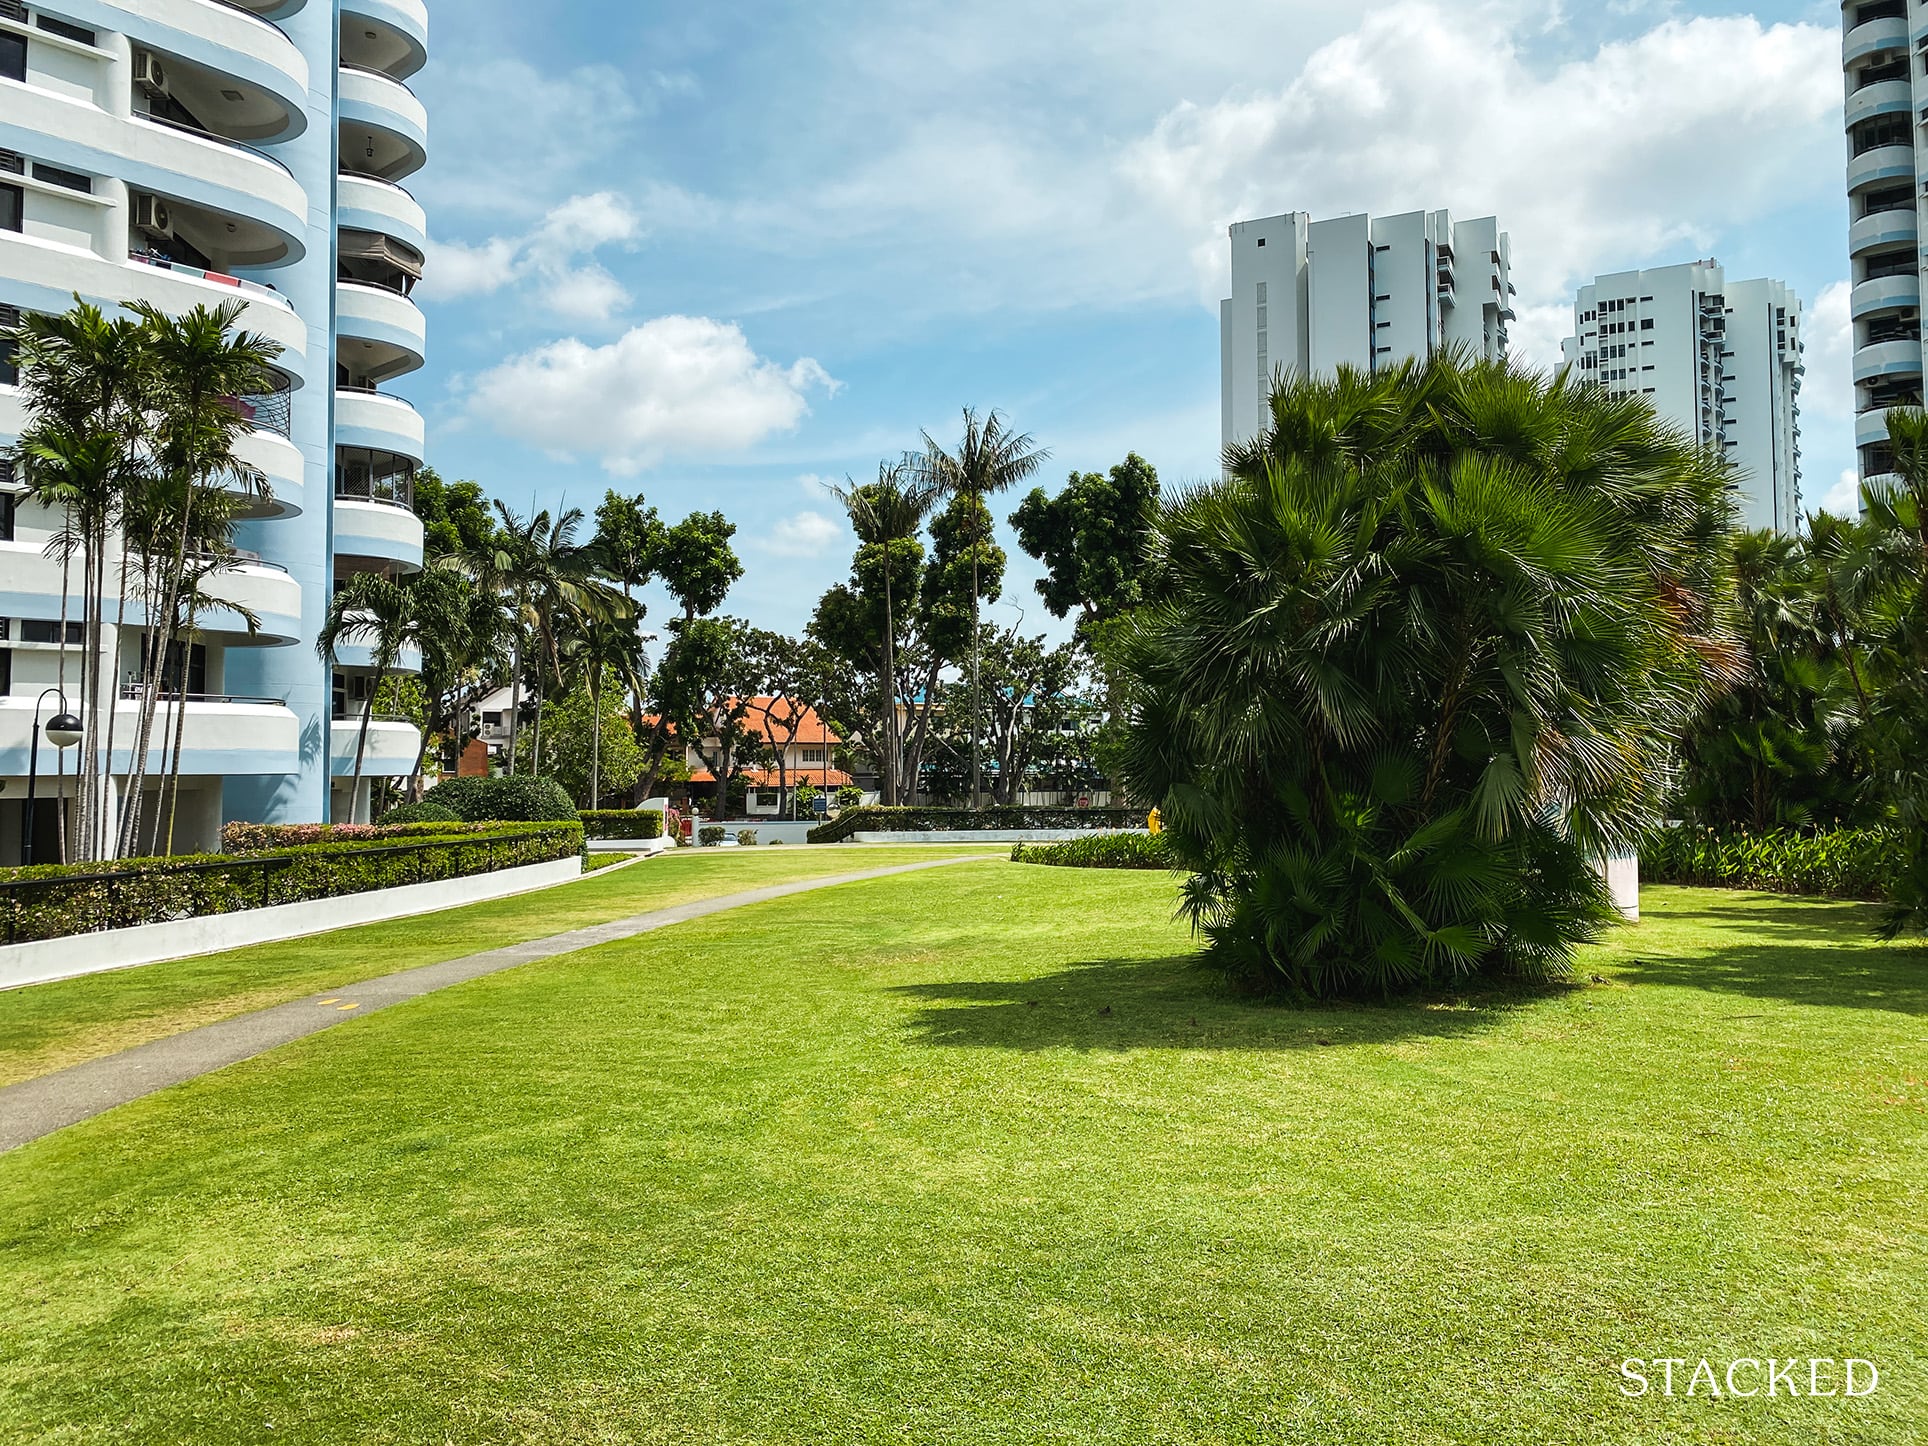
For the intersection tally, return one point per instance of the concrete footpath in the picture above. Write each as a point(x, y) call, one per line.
point(38, 1107)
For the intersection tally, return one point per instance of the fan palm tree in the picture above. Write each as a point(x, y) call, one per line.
point(990, 458)
point(1419, 664)
point(884, 513)
point(382, 613)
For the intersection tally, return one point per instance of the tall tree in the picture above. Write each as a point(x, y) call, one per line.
point(1094, 539)
point(596, 654)
point(989, 459)
point(372, 609)
point(696, 562)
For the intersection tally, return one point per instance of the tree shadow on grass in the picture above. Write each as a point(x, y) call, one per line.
point(1173, 1003)
point(1851, 970)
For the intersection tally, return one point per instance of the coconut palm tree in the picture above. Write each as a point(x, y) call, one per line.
point(594, 653)
point(382, 613)
point(990, 458)
point(884, 513)
point(1419, 663)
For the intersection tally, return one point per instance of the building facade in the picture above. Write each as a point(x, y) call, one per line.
point(1311, 296)
point(194, 151)
point(1720, 359)
point(1885, 86)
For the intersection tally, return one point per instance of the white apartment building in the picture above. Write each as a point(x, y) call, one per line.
point(1311, 296)
point(195, 151)
point(1720, 359)
point(1885, 75)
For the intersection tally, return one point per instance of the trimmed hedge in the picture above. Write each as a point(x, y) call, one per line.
point(519, 799)
point(55, 901)
point(259, 838)
point(1838, 864)
point(423, 812)
point(622, 823)
point(1100, 851)
point(937, 820)
point(710, 835)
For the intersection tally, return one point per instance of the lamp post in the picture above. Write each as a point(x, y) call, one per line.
point(63, 731)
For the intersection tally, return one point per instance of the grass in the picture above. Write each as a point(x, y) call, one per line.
point(51, 1026)
point(979, 1156)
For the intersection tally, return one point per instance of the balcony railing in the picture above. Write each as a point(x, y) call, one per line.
point(252, 288)
point(391, 491)
point(134, 692)
point(215, 136)
point(268, 412)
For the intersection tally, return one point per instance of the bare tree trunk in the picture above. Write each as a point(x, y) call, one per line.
point(113, 707)
point(515, 695)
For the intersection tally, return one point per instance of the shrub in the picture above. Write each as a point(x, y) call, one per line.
point(254, 838)
point(54, 901)
point(623, 823)
point(985, 820)
point(746, 837)
point(519, 799)
point(1100, 851)
point(1865, 864)
point(849, 796)
point(424, 812)
point(710, 835)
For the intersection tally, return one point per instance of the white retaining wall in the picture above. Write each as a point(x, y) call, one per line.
point(43, 961)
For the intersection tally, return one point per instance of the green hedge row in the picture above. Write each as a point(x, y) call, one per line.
point(1100, 851)
point(936, 820)
point(255, 838)
point(55, 901)
point(622, 823)
point(518, 799)
point(1838, 864)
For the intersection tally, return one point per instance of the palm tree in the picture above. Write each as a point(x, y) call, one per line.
point(539, 573)
point(372, 608)
point(1419, 664)
point(891, 510)
point(990, 458)
point(595, 651)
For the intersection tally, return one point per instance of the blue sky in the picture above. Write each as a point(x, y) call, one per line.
point(718, 253)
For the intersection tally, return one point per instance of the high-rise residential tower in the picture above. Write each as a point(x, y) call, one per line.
point(190, 151)
point(1311, 296)
point(1721, 359)
point(1886, 88)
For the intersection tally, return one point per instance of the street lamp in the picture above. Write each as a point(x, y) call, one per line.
point(63, 731)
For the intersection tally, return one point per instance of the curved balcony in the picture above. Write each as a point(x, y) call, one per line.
point(1882, 166)
point(1884, 293)
point(280, 461)
point(1871, 427)
point(379, 421)
point(1882, 230)
point(263, 589)
point(367, 203)
point(223, 737)
point(360, 658)
point(1886, 97)
point(213, 52)
point(228, 178)
point(386, 35)
point(383, 335)
point(370, 532)
point(384, 127)
point(1887, 359)
point(1888, 33)
point(392, 751)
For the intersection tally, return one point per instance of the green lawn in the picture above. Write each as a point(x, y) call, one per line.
point(978, 1156)
point(51, 1026)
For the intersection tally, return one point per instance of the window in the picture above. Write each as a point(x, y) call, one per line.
point(55, 176)
point(13, 204)
point(13, 56)
point(813, 755)
point(37, 630)
point(9, 373)
point(1647, 324)
point(6, 671)
point(1881, 130)
point(1891, 198)
point(66, 28)
point(1261, 240)
point(7, 505)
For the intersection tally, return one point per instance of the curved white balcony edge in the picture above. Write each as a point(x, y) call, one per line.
point(381, 421)
point(378, 531)
point(374, 313)
point(392, 751)
point(220, 740)
point(367, 204)
point(406, 17)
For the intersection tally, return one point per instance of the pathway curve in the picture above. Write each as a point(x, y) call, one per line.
point(50, 1102)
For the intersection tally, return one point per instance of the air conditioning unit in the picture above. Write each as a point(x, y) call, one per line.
point(149, 74)
point(151, 215)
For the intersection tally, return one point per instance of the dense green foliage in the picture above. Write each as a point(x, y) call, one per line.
point(1419, 663)
point(629, 823)
point(983, 820)
point(520, 799)
point(254, 838)
point(1100, 851)
point(59, 900)
point(423, 812)
point(1836, 864)
point(579, 732)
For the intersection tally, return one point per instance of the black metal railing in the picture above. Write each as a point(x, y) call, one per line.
point(134, 692)
point(269, 412)
point(395, 491)
point(169, 123)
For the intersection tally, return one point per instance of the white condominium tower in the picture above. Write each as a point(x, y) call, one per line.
point(1311, 296)
point(1720, 359)
point(1886, 87)
point(197, 151)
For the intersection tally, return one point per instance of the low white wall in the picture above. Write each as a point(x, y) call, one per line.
point(628, 845)
point(989, 835)
point(46, 960)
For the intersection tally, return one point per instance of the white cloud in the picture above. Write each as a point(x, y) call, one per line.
point(675, 386)
point(1649, 146)
point(586, 294)
point(1843, 499)
point(1828, 387)
point(546, 255)
point(808, 534)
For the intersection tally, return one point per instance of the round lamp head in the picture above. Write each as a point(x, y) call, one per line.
point(63, 730)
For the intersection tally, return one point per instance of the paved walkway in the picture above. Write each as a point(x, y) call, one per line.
point(38, 1107)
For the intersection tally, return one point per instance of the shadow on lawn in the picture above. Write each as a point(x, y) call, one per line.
point(1174, 1004)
